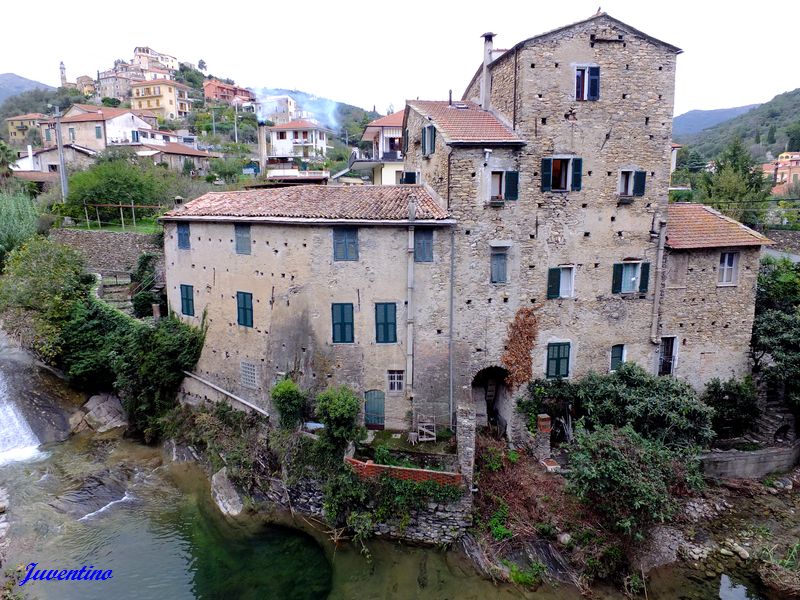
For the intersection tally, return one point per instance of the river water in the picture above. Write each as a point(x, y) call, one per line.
point(114, 504)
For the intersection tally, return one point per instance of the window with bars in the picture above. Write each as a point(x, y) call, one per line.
point(345, 243)
point(423, 245)
point(558, 360)
point(728, 267)
point(187, 300)
point(342, 320)
point(244, 309)
point(184, 241)
point(396, 380)
point(242, 236)
point(248, 375)
point(386, 322)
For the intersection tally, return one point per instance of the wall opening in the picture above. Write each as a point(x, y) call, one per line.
point(493, 402)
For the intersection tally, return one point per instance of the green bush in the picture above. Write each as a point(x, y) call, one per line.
point(289, 401)
point(338, 409)
point(531, 576)
point(18, 221)
point(498, 523)
point(735, 405)
point(142, 303)
point(631, 481)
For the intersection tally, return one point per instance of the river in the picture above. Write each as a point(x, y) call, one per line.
point(114, 504)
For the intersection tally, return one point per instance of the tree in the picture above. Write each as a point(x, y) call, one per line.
point(793, 131)
point(18, 218)
point(771, 135)
point(737, 186)
point(778, 285)
point(758, 137)
point(7, 158)
point(201, 65)
point(112, 102)
point(228, 169)
point(776, 352)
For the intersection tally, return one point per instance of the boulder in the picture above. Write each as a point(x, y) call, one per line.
point(3, 501)
point(225, 494)
point(101, 413)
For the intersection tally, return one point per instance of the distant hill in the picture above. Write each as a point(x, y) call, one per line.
point(11, 85)
point(695, 121)
point(780, 112)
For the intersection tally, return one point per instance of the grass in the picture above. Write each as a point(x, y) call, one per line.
point(147, 225)
point(384, 438)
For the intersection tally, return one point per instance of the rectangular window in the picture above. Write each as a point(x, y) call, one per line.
point(47, 135)
point(248, 375)
point(666, 356)
point(423, 245)
point(71, 134)
point(728, 267)
point(98, 131)
point(342, 319)
point(497, 185)
point(499, 258)
point(281, 135)
point(625, 183)
point(630, 278)
point(409, 177)
point(428, 140)
point(187, 300)
point(558, 360)
point(560, 282)
point(396, 380)
point(244, 309)
point(184, 241)
point(386, 322)
point(562, 174)
point(345, 243)
point(242, 235)
point(134, 136)
point(617, 356)
point(587, 83)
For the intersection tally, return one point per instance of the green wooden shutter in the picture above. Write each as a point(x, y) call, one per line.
point(644, 276)
point(616, 279)
point(639, 181)
point(594, 84)
point(348, 324)
point(617, 352)
point(512, 185)
point(563, 360)
point(577, 174)
point(424, 143)
point(553, 283)
point(405, 141)
point(432, 140)
point(386, 322)
point(547, 174)
point(336, 321)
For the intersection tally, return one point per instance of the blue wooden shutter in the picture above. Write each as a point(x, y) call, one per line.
point(639, 181)
point(616, 279)
point(184, 241)
point(644, 276)
point(498, 267)
point(336, 321)
point(352, 244)
point(432, 140)
point(577, 174)
point(547, 174)
point(242, 238)
point(348, 323)
point(512, 185)
point(374, 414)
point(423, 245)
point(594, 84)
point(424, 143)
point(553, 283)
point(187, 300)
point(339, 245)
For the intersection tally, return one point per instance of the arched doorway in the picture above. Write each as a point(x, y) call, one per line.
point(374, 409)
point(492, 401)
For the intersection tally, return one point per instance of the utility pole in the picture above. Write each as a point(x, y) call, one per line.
point(62, 170)
point(235, 122)
point(213, 122)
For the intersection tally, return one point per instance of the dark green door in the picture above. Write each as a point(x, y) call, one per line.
point(373, 409)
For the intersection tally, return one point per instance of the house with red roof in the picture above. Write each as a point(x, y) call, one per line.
point(20, 125)
point(300, 138)
point(385, 159)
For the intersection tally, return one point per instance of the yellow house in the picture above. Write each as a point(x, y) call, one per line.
point(19, 126)
point(167, 99)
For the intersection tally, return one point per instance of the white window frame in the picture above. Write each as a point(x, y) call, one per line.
point(395, 381)
point(502, 185)
point(638, 266)
point(571, 269)
point(585, 68)
point(625, 191)
point(728, 275)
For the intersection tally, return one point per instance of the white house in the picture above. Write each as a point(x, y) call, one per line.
point(386, 158)
point(298, 139)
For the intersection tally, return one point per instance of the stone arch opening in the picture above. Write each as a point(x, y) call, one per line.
point(492, 399)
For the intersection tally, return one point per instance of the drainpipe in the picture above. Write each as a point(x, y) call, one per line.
point(450, 325)
point(486, 78)
point(412, 215)
point(662, 238)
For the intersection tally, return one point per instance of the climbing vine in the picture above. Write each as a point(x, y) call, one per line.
point(519, 344)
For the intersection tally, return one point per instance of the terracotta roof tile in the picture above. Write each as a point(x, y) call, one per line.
point(28, 117)
point(175, 148)
point(362, 203)
point(393, 120)
point(465, 122)
point(698, 226)
point(298, 124)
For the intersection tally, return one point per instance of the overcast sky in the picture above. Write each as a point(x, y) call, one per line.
point(372, 53)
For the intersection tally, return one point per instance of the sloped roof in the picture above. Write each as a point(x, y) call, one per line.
point(302, 202)
point(175, 148)
point(28, 117)
point(298, 124)
point(392, 120)
point(697, 226)
point(465, 123)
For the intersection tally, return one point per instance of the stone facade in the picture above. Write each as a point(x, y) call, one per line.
point(106, 251)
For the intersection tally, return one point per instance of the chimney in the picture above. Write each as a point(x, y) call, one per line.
point(262, 147)
point(486, 77)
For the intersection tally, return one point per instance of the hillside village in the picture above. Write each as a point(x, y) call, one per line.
point(521, 320)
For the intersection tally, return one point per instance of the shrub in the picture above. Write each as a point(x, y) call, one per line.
point(531, 576)
point(629, 480)
point(18, 221)
point(735, 405)
point(142, 303)
point(338, 409)
point(289, 401)
point(497, 523)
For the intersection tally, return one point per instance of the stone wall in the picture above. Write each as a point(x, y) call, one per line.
point(107, 251)
point(736, 464)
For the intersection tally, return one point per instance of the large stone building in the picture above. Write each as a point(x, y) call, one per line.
point(551, 177)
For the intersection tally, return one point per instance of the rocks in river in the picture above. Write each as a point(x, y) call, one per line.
point(101, 413)
point(564, 538)
point(225, 494)
point(96, 492)
point(3, 500)
point(661, 549)
point(180, 453)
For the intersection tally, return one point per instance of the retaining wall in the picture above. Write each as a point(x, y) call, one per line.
point(738, 464)
point(107, 251)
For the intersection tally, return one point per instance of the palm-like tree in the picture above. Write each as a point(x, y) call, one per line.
point(7, 158)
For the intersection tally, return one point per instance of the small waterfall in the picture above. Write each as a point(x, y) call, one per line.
point(17, 440)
